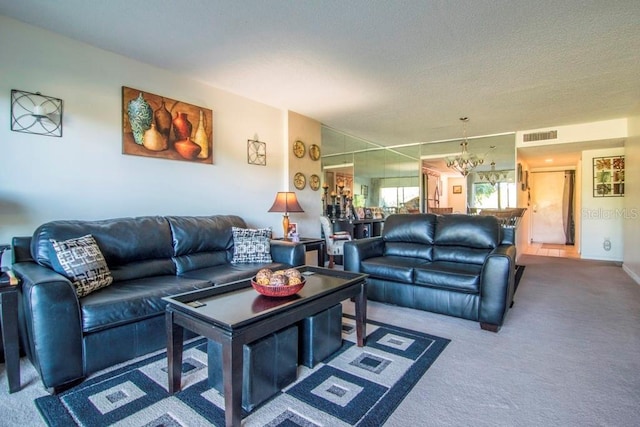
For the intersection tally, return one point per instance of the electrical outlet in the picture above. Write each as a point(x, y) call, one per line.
point(606, 244)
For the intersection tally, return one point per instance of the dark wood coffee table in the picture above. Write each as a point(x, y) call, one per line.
point(235, 314)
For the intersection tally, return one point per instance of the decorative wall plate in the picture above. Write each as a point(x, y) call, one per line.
point(299, 181)
point(314, 152)
point(299, 149)
point(314, 182)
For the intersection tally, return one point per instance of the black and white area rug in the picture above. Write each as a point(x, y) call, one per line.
point(354, 387)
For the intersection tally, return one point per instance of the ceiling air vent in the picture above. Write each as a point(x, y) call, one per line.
point(540, 136)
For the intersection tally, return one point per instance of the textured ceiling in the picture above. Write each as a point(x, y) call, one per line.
point(392, 72)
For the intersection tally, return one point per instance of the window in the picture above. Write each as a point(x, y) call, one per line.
point(488, 196)
point(398, 197)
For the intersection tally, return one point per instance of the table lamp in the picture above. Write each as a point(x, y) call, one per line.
point(286, 202)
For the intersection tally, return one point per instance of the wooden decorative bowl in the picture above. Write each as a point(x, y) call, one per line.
point(277, 291)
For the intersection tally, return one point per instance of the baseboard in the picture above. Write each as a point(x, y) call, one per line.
point(631, 273)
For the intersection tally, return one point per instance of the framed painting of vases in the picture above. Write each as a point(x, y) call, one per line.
point(161, 127)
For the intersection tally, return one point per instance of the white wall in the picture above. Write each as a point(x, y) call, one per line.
point(523, 232)
point(83, 175)
point(578, 206)
point(631, 226)
point(594, 131)
point(456, 201)
point(308, 131)
point(601, 217)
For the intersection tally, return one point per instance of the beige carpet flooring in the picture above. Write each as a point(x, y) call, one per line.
point(568, 355)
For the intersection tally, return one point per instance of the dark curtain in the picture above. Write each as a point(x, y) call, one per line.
point(568, 207)
point(425, 193)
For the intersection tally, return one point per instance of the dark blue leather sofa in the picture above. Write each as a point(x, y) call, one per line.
point(459, 265)
point(67, 338)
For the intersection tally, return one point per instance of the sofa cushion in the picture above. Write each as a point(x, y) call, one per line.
point(480, 232)
point(82, 262)
point(202, 241)
point(396, 268)
point(449, 275)
point(408, 249)
point(414, 228)
point(196, 261)
point(124, 242)
point(465, 238)
point(226, 273)
point(132, 300)
point(460, 254)
point(251, 245)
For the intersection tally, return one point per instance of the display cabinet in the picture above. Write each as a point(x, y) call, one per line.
point(359, 228)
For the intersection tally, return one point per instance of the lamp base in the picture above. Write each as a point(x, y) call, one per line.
point(285, 226)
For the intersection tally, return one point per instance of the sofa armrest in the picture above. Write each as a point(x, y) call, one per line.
point(357, 250)
point(508, 235)
point(21, 249)
point(291, 253)
point(50, 324)
point(496, 285)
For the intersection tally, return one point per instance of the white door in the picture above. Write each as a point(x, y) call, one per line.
point(546, 207)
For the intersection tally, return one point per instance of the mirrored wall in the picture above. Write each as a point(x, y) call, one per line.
point(415, 178)
point(492, 184)
point(376, 177)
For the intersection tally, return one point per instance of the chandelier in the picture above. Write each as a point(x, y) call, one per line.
point(493, 176)
point(464, 162)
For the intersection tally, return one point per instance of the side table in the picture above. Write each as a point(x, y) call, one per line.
point(312, 244)
point(9, 321)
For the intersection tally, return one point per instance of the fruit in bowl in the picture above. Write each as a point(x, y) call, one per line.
point(279, 283)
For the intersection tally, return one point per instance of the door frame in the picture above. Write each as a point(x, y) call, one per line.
point(577, 196)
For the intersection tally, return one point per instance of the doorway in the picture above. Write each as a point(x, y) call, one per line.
point(546, 202)
point(552, 207)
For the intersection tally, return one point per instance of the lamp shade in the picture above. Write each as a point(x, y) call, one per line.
point(286, 201)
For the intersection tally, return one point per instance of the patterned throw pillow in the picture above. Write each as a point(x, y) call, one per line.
point(250, 245)
point(82, 262)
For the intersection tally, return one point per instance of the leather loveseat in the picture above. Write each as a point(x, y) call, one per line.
point(67, 337)
point(459, 265)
